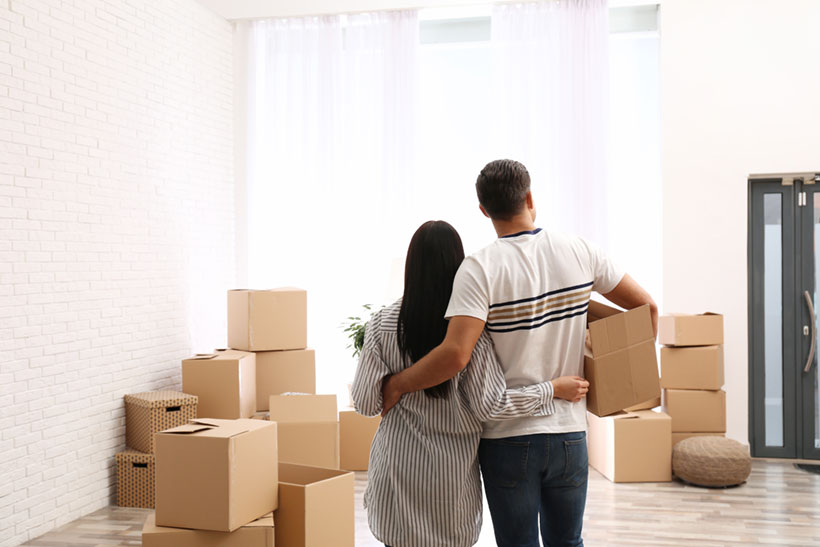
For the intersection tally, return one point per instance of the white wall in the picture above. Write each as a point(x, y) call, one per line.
point(740, 95)
point(116, 232)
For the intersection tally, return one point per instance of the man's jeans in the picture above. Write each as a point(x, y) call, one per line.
point(532, 474)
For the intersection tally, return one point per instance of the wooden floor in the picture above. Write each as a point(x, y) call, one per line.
point(779, 505)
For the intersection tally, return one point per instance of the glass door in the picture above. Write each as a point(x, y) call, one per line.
point(784, 232)
point(772, 376)
point(809, 213)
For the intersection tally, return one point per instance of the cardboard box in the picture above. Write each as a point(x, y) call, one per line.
point(696, 410)
point(151, 412)
point(620, 361)
point(259, 533)
point(356, 434)
point(316, 507)
point(274, 319)
point(216, 474)
point(648, 405)
point(705, 329)
point(678, 437)
point(280, 372)
point(135, 479)
point(224, 382)
point(692, 368)
point(631, 446)
point(308, 429)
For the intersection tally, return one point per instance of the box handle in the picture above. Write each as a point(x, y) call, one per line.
point(173, 408)
point(139, 465)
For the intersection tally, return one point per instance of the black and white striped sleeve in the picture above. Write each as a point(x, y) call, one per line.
point(485, 389)
point(367, 384)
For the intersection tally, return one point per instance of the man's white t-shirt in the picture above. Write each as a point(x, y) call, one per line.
point(533, 289)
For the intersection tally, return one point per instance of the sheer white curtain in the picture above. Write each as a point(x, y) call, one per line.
point(550, 68)
point(330, 162)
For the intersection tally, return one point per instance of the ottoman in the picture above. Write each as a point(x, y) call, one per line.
point(714, 462)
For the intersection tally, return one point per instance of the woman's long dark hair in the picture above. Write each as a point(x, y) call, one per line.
point(434, 255)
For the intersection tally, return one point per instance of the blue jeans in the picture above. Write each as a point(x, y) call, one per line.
point(528, 475)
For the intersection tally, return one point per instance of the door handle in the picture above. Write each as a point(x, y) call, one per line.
point(813, 331)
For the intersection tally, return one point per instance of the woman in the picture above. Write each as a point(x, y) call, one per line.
point(424, 487)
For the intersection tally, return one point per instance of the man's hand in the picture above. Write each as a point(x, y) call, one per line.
point(570, 388)
point(390, 393)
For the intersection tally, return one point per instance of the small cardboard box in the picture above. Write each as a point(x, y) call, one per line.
point(259, 533)
point(280, 372)
point(274, 319)
point(678, 437)
point(692, 368)
point(135, 479)
point(308, 429)
point(316, 507)
point(705, 329)
point(696, 410)
point(631, 446)
point(356, 434)
point(620, 361)
point(151, 412)
point(224, 381)
point(216, 474)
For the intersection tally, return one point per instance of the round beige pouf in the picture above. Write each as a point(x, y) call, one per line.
point(711, 461)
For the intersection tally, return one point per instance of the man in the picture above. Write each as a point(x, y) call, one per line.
point(530, 289)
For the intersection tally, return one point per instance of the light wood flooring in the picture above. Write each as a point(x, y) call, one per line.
point(779, 505)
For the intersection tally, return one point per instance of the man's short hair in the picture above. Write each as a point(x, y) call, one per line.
point(502, 188)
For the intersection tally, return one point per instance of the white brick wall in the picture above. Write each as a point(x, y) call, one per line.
point(116, 232)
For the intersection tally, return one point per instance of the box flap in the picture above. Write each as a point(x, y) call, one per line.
point(618, 329)
point(188, 429)
point(261, 522)
point(202, 356)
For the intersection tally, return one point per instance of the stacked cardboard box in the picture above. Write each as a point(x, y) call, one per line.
point(272, 325)
point(308, 429)
point(224, 381)
point(626, 443)
point(147, 414)
point(692, 374)
point(216, 484)
point(356, 434)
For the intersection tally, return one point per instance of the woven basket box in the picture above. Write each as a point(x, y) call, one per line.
point(154, 411)
point(135, 479)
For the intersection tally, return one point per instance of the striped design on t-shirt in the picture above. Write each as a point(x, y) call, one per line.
point(537, 311)
point(424, 487)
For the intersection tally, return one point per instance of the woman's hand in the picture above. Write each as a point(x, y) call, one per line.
point(390, 393)
point(570, 388)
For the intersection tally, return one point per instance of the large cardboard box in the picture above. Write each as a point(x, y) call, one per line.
point(274, 319)
point(696, 410)
point(259, 533)
point(224, 382)
point(620, 361)
point(151, 412)
point(678, 437)
point(316, 507)
point(631, 446)
point(356, 434)
point(216, 474)
point(692, 367)
point(704, 329)
point(135, 479)
point(280, 372)
point(308, 429)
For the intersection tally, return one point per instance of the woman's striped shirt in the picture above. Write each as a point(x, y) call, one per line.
point(423, 486)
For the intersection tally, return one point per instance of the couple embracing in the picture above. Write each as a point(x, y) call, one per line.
point(480, 364)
